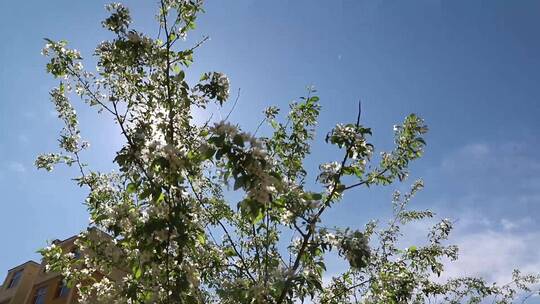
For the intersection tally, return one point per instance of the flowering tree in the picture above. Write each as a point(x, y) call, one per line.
point(172, 233)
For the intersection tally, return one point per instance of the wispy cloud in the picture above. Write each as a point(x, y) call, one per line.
point(488, 248)
point(509, 225)
point(498, 179)
point(492, 190)
point(23, 139)
point(16, 167)
point(493, 251)
point(29, 114)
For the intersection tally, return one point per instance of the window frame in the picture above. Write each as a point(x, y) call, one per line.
point(40, 295)
point(62, 290)
point(15, 278)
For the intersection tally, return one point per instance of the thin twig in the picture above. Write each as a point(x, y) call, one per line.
point(225, 230)
point(260, 124)
point(233, 106)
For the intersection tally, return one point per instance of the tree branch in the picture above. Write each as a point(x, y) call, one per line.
point(311, 224)
point(225, 230)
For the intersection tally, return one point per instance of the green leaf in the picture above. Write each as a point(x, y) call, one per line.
point(316, 196)
point(137, 272)
point(238, 140)
point(201, 238)
point(208, 153)
point(239, 182)
point(229, 251)
point(159, 197)
point(131, 188)
point(252, 209)
point(145, 194)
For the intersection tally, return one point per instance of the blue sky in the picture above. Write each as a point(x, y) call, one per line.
point(469, 68)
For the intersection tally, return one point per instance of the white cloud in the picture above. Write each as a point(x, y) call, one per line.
point(16, 167)
point(29, 115)
point(476, 150)
point(492, 190)
point(487, 248)
point(500, 180)
point(508, 225)
point(495, 254)
point(478, 157)
point(471, 152)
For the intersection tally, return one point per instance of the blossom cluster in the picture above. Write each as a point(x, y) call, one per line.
point(214, 85)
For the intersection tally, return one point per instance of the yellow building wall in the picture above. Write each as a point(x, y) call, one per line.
point(34, 277)
point(18, 294)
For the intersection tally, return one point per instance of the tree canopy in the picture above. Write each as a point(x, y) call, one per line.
point(173, 229)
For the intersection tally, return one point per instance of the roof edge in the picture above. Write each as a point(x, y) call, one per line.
point(23, 264)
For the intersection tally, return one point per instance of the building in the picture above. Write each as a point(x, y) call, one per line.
point(29, 283)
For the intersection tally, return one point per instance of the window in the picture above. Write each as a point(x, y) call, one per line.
point(76, 252)
point(39, 297)
point(15, 278)
point(62, 289)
